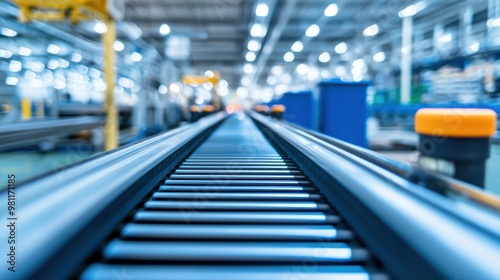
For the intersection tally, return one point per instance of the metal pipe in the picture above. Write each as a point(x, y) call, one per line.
point(285, 16)
point(406, 58)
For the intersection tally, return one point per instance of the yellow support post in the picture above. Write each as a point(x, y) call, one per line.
point(111, 128)
point(26, 109)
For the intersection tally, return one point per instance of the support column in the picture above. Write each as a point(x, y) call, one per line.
point(406, 58)
point(465, 34)
point(111, 128)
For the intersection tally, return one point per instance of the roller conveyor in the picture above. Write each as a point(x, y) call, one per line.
point(246, 197)
point(281, 217)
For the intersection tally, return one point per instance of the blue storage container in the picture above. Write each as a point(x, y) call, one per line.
point(299, 108)
point(343, 110)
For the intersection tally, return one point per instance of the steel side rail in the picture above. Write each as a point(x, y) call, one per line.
point(61, 218)
point(444, 185)
point(427, 228)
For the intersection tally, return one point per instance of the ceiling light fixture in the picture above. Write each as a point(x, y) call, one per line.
point(371, 30)
point(100, 28)
point(324, 57)
point(341, 48)
point(379, 57)
point(289, 57)
point(258, 30)
point(23, 51)
point(297, 46)
point(312, 31)
point(118, 46)
point(165, 29)
point(332, 10)
point(262, 10)
point(253, 46)
point(53, 49)
point(250, 56)
point(8, 32)
point(248, 68)
point(412, 9)
point(76, 57)
point(136, 57)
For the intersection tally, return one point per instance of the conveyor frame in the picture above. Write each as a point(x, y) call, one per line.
point(384, 201)
point(374, 201)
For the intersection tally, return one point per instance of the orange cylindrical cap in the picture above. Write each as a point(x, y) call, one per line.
point(261, 108)
point(208, 108)
point(278, 108)
point(456, 122)
point(195, 109)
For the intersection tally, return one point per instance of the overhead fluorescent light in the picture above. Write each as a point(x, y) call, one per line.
point(248, 68)
point(165, 29)
point(312, 31)
point(15, 66)
point(245, 81)
point(11, 81)
point(262, 10)
point(474, 47)
point(8, 32)
point(5, 53)
point(412, 9)
point(136, 57)
point(250, 56)
point(302, 69)
point(332, 10)
point(446, 38)
point(494, 22)
point(118, 46)
point(297, 46)
point(324, 57)
point(53, 49)
point(371, 30)
point(253, 46)
point(24, 51)
point(258, 30)
point(340, 71)
point(358, 63)
point(379, 57)
point(100, 28)
point(289, 57)
point(341, 48)
point(163, 89)
point(76, 57)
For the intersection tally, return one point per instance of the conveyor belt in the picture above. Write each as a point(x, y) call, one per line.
point(249, 197)
point(236, 208)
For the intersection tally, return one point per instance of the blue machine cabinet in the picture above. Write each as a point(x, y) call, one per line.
point(299, 108)
point(343, 110)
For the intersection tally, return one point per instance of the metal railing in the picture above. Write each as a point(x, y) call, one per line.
point(437, 235)
point(69, 212)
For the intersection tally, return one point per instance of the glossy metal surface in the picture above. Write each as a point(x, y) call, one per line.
point(420, 217)
point(61, 205)
point(202, 204)
point(232, 251)
point(225, 272)
point(235, 217)
point(235, 196)
point(232, 232)
point(212, 189)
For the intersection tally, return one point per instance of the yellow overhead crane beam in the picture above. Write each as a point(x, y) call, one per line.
point(78, 10)
point(199, 80)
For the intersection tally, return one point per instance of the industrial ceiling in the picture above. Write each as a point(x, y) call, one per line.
point(220, 30)
point(244, 42)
